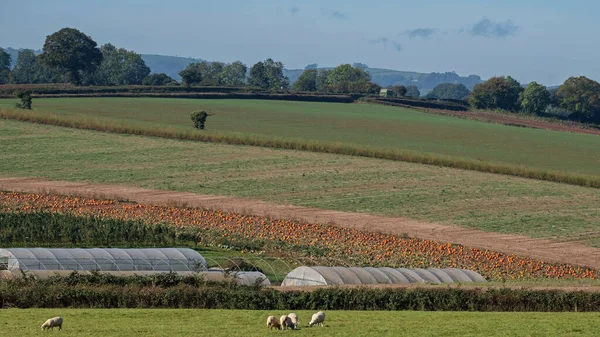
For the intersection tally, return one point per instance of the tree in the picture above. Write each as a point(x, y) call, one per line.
point(25, 69)
point(73, 51)
point(192, 74)
point(412, 91)
point(535, 98)
point(449, 91)
point(347, 79)
point(25, 97)
point(268, 75)
point(307, 81)
point(234, 74)
point(399, 90)
point(4, 66)
point(580, 95)
point(497, 93)
point(322, 81)
point(159, 80)
point(360, 65)
point(119, 67)
point(311, 66)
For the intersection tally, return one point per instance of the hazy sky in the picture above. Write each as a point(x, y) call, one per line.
point(532, 40)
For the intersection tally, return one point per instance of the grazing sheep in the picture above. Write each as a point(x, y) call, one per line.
point(273, 323)
point(295, 321)
point(52, 322)
point(285, 322)
point(317, 319)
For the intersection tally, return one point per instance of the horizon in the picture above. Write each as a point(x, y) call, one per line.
point(542, 41)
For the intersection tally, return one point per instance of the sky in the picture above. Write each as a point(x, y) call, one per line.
point(531, 40)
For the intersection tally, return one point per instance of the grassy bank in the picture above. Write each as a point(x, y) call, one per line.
point(188, 323)
point(465, 198)
point(360, 126)
point(520, 164)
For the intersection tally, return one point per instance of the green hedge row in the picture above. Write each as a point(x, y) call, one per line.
point(41, 295)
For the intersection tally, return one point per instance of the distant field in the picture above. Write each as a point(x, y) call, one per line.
point(360, 125)
point(188, 323)
point(472, 199)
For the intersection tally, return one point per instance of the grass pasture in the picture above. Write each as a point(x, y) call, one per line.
point(216, 323)
point(371, 129)
point(471, 199)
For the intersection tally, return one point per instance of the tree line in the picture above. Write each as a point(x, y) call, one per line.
point(71, 56)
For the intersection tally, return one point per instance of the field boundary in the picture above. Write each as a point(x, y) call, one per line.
point(551, 251)
point(109, 126)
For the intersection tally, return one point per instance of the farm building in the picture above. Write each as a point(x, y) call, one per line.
point(318, 276)
point(386, 93)
point(47, 262)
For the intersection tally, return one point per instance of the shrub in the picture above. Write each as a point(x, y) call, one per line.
point(25, 97)
point(199, 119)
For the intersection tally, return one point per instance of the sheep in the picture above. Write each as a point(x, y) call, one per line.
point(273, 323)
point(285, 322)
point(52, 322)
point(295, 321)
point(317, 319)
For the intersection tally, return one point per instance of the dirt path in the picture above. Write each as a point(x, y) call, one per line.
point(546, 250)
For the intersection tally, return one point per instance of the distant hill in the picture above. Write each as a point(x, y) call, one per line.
point(386, 77)
point(172, 65)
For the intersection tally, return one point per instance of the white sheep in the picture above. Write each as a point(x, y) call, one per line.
point(52, 322)
point(295, 321)
point(317, 319)
point(285, 322)
point(273, 323)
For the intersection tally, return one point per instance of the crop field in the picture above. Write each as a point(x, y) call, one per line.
point(188, 323)
point(471, 199)
point(368, 127)
point(340, 246)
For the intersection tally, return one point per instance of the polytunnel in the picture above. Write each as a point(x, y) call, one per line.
point(102, 259)
point(319, 276)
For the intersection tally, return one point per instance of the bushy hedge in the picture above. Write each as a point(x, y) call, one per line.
point(41, 294)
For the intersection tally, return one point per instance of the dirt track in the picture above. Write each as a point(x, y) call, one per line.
point(563, 252)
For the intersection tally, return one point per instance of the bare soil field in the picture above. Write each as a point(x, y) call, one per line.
point(547, 250)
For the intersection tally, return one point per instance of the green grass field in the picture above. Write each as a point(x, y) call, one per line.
point(360, 125)
point(188, 323)
point(472, 199)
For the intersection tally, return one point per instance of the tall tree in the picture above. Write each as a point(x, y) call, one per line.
point(346, 79)
point(399, 90)
point(449, 91)
point(535, 98)
point(581, 95)
point(73, 51)
point(322, 81)
point(307, 81)
point(412, 91)
point(192, 74)
point(268, 75)
point(120, 67)
point(258, 77)
point(497, 93)
point(4, 66)
point(25, 69)
point(234, 74)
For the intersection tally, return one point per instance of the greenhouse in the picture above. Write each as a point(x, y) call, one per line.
point(319, 276)
point(101, 259)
